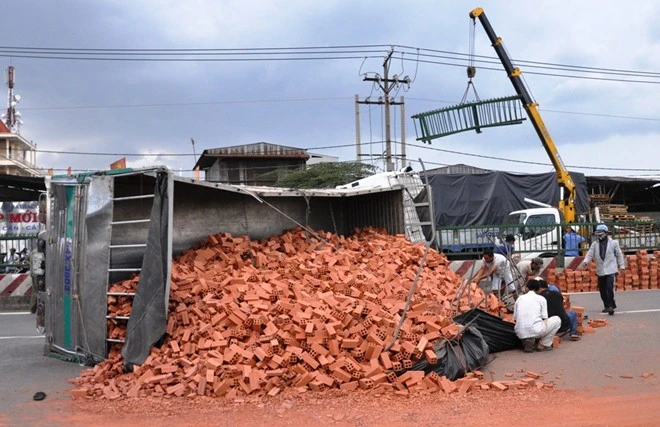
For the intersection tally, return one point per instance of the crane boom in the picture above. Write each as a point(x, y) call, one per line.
point(567, 199)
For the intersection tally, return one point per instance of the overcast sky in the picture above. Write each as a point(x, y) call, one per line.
point(141, 107)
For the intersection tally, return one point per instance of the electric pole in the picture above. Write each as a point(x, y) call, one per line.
point(358, 147)
point(386, 84)
point(403, 134)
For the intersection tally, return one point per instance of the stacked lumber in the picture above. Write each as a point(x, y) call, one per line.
point(599, 199)
point(294, 311)
point(611, 212)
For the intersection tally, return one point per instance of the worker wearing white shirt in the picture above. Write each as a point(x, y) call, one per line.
point(498, 268)
point(526, 268)
point(531, 316)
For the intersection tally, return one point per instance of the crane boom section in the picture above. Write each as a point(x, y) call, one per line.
point(567, 202)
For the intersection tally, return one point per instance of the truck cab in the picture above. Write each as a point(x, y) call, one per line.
point(536, 231)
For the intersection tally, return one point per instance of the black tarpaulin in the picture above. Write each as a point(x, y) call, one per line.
point(487, 198)
point(456, 357)
point(148, 321)
point(498, 334)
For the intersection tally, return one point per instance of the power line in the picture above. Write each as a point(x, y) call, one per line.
point(504, 159)
point(537, 64)
point(571, 76)
point(312, 53)
point(282, 100)
point(218, 50)
point(381, 48)
point(179, 104)
point(426, 147)
point(270, 59)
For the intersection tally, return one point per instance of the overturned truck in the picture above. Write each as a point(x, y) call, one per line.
point(105, 227)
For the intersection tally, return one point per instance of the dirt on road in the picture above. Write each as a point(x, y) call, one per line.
point(511, 407)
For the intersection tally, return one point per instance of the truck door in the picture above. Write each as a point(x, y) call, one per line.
point(540, 234)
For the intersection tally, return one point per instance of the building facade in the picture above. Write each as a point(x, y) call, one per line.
point(260, 163)
point(18, 156)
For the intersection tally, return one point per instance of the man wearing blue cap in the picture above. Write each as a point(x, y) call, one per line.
point(608, 256)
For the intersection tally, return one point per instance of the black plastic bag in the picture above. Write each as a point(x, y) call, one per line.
point(454, 366)
point(457, 357)
point(475, 349)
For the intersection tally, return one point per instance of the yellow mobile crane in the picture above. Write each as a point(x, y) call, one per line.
point(568, 191)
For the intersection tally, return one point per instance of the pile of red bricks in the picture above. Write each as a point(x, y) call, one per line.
point(641, 272)
point(254, 318)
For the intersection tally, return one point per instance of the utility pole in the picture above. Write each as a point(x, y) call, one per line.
point(192, 141)
point(403, 134)
point(385, 84)
point(358, 147)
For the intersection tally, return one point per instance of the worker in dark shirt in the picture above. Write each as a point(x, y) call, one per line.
point(556, 308)
point(508, 247)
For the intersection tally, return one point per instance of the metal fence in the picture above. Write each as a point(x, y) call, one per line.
point(543, 239)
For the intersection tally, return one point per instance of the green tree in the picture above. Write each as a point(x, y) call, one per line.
point(326, 175)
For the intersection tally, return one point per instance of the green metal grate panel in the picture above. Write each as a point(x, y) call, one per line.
point(469, 116)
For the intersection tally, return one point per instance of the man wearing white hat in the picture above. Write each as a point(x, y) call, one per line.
point(608, 256)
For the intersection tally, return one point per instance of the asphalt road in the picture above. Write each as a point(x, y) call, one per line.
point(24, 371)
point(600, 363)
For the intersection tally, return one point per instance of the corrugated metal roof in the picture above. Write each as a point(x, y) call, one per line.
point(258, 149)
point(623, 179)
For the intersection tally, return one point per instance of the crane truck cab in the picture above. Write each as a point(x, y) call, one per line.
point(536, 231)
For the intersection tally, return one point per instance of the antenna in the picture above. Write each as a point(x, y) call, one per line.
point(13, 118)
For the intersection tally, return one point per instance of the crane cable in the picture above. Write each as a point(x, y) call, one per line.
point(471, 69)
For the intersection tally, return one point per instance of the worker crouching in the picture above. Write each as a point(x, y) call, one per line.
point(532, 321)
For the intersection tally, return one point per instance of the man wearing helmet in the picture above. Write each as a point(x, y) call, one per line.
point(608, 256)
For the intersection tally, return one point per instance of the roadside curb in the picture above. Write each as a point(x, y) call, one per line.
point(15, 303)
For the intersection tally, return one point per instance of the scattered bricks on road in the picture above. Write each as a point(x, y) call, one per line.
point(79, 393)
point(498, 385)
point(556, 341)
point(597, 323)
point(176, 389)
point(353, 385)
point(431, 357)
point(341, 375)
point(350, 343)
point(447, 386)
point(257, 317)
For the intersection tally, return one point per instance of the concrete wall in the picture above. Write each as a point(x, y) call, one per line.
point(15, 291)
